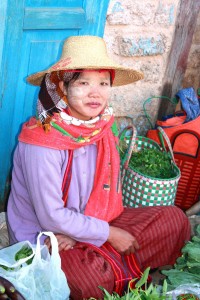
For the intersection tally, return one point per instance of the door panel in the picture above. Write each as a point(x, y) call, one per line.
point(54, 18)
point(31, 36)
point(55, 3)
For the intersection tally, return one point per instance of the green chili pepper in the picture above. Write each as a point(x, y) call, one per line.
point(24, 252)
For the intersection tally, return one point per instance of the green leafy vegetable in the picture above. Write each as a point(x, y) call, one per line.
point(187, 267)
point(151, 162)
point(142, 290)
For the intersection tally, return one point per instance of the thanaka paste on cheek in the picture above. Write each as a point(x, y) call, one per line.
point(75, 94)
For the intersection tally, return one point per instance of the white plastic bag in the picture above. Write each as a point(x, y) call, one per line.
point(192, 288)
point(43, 279)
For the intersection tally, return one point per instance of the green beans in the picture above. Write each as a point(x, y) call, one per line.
point(24, 252)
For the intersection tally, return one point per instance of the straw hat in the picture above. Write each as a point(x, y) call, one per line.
point(88, 52)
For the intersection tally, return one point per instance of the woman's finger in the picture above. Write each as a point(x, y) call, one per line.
point(68, 247)
point(47, 242)
point(64, 246)
point(61, 246)
point(136, 245)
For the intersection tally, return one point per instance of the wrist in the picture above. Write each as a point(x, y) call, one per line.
point(111, 229)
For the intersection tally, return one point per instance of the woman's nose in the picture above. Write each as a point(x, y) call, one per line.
point(94, 90)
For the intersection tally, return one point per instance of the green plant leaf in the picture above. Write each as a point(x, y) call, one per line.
point(164, 288)
point(143, 279)
point(107, 295)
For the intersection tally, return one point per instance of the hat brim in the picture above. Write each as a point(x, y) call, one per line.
point(123, 75)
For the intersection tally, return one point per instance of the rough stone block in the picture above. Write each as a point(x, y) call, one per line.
point(152, 71)
point(118, 14)
point(165, 14)
point(141, 46)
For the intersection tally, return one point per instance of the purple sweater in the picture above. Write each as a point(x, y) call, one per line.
point(35, 203)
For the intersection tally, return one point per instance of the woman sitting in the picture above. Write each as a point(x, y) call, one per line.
point(66, 178)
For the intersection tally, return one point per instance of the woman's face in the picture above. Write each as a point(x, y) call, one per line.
point(88, 95)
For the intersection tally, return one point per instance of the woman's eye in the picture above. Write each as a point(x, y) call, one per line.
point(84, 83)
point(104, 83)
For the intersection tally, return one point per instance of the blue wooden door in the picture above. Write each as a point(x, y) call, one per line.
point(31, 37)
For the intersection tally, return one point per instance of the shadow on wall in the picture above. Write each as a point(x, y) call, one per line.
point(165, 106)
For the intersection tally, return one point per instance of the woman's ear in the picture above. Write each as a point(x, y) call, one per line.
point(62, 87)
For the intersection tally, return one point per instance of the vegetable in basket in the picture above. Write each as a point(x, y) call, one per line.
point(149, 173)
point(148, 159)
point(152, 162)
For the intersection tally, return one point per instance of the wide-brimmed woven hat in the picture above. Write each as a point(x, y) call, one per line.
point(88, 52)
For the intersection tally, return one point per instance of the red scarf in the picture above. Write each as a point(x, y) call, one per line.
point(105, 201)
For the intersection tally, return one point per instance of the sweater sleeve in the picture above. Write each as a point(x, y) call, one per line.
point(42, 172)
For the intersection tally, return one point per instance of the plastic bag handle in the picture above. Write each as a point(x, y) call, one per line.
point(54, 247)
point(174, 101)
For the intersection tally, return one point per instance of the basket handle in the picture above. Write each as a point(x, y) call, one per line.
point(174, 101)
point(127, 156)
point(162, 135)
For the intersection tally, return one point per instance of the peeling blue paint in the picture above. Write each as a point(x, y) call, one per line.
point(168, 11)
point(117, 7)
point(171, 15)
point(151, 46)
point(134, 48)
point(144, 46)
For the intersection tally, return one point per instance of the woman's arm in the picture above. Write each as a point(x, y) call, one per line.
point(42, 172)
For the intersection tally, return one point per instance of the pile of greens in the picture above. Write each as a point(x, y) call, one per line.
point(187, 267)
point(151, 162)
point(141, 290)
point(185, 271)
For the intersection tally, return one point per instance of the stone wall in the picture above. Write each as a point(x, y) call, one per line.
point(139, 34)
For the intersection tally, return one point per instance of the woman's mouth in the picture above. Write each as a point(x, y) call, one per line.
point(93, 104)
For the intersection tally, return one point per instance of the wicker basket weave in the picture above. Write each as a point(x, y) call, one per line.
point(141, 190)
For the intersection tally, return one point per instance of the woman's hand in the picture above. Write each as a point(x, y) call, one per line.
point(64, 242)
point(122, 241)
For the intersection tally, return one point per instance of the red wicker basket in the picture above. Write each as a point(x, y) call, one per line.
point(186, 148)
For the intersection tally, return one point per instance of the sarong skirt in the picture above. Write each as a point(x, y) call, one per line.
point(161, 232)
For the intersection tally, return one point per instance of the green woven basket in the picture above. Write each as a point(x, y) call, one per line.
point(139, 189)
